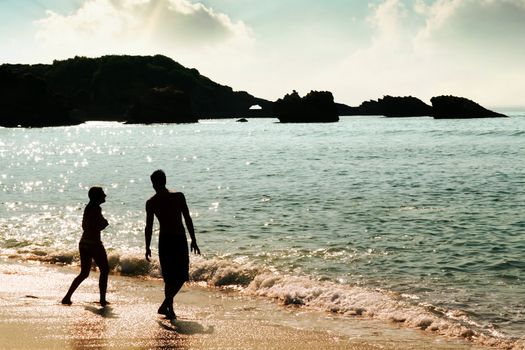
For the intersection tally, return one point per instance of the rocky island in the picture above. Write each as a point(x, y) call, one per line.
point(116, 88)
point(156, 89)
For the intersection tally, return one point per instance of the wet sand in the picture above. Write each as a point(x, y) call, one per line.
point(31, 317)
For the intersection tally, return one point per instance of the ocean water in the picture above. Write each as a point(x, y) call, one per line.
point(416, 221)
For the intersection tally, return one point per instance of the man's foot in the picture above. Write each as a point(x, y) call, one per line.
point(103, 303)
point(66, 301)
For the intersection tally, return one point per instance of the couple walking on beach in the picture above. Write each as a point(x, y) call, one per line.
point(169, 208)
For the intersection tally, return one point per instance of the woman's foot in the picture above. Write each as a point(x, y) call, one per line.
point(66, 301)
point(103, 303)
point(167, 311)
point(171, 315)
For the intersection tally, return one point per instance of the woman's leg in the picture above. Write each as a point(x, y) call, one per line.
point(101, 259)
point(85, 266)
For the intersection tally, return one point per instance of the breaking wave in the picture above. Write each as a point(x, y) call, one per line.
point(348, 300)
point(126, 264)
point(302, 291)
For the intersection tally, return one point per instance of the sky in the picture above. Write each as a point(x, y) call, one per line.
point(359, 50)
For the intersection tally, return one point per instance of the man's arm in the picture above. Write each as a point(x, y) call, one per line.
point(148, 231)
point(189, 224)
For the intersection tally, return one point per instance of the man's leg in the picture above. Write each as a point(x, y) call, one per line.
point(171, 289)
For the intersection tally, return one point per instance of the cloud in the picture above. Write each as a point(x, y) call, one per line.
point(476, 46)
point(474, 26)
point(174, 27)
point(470, 48)
point(388, 21)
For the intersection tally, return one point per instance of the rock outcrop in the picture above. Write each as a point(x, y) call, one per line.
point(315, 107)
point(26, 101)
point(453, 107)
point(162, 105)
point(443, 107)
point(395, 106)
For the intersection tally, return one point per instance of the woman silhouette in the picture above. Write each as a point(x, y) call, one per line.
point(91, 247)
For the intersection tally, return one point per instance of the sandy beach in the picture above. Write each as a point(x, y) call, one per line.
point(33, 318)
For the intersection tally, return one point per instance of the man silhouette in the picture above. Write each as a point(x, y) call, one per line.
point(169, 208)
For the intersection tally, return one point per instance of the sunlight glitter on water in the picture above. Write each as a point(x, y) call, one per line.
point(421, 208)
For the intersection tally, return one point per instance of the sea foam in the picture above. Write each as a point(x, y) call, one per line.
point(348, 300)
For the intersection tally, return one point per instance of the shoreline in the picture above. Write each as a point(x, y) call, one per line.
point(33, 318)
